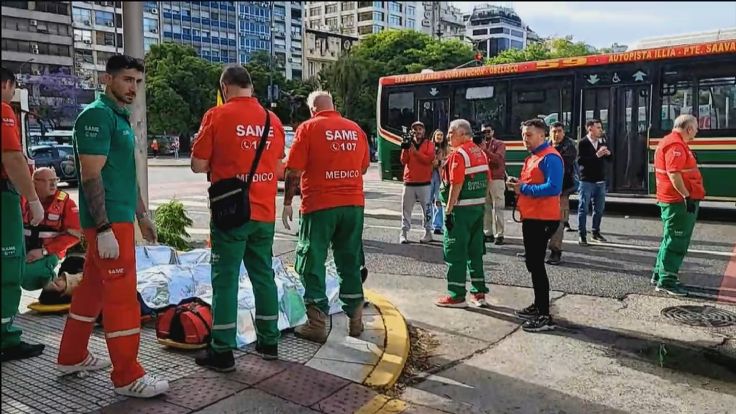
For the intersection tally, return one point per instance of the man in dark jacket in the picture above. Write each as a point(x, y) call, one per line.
point(593, 158)
point(566, 147)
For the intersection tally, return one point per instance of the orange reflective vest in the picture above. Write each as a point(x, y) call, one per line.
point(59, 229)
point(537, 208)
point(674, 155)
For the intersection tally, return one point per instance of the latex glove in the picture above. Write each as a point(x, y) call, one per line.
point(449, 221)
point(148, 229)
point(37, 212)
point(286, 216)
point(107, 245)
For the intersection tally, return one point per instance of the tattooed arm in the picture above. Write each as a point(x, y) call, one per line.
point(94, 189)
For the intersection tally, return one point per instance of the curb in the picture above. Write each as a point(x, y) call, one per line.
point(396, 352)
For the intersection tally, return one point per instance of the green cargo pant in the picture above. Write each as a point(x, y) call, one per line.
point(13, 266)
point(40, 272)
point(463, 248)
point(343, 228)
point(251, 244)
point(678, 229)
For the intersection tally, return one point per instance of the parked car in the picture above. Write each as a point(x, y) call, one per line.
point(58, 157)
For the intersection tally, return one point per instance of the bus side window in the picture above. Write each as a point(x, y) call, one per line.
point(677, 99)
point(481, 103)
point(550, 100)
point(400, 111)
point(717, 103)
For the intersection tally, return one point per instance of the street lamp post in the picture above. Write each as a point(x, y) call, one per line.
point(270, 57)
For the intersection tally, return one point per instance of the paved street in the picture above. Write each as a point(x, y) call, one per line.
point(622, 266)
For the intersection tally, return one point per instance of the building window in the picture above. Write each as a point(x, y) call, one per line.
point(515, 44)
point(378, 16)
point(83, 36)
point(348, 21)
point(54, 7)
point(517, 33)
point(84, 56)
point(315, 11)
point(378, 4)
point(82, 16)
point(364, 30)
point(148, 41)
point(103, 18)
point(480, 32)
point(348, 5)
point(394, 7)
point(365, 17)
point(150, 25)
point(411, 23)
point(394, 21)
point(108, 39)
point(377, 28)
point(411, 10)
point(331, 22)
point(331, 8)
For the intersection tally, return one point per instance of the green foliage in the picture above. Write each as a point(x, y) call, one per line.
point(550, 49)
point(171, 222)
point(353, 79)
point(181, 87)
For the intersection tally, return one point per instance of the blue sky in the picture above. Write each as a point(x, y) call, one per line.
point(603, 23)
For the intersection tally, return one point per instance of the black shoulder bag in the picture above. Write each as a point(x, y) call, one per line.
point(229, 198)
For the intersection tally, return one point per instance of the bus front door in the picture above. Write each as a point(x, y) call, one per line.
point(624, 114)
point(434, 114)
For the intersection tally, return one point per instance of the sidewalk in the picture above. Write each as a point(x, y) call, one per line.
point(169, 161)
point(607, 355)
point(308, 377)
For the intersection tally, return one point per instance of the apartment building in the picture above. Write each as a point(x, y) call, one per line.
point(210, 27)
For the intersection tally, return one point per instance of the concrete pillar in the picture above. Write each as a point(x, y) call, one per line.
point(133, 46)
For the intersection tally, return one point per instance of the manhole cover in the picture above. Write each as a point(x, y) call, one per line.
point(707, 316)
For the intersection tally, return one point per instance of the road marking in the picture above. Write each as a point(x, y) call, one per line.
point(729, 280)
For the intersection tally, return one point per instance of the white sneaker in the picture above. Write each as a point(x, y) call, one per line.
point(403, 239)
point(146, 386)
point(427, 237)
point(91, 363)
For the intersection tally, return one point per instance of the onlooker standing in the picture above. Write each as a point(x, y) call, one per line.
point(679, 192)
point(565, 146)
point(440, 151)
point(493, 219)
point(593, 157)
point(175, 148)
point(154, 147)
point(538, 188)
point(417, 160)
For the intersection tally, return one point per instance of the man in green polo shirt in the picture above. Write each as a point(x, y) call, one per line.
point(109, 203)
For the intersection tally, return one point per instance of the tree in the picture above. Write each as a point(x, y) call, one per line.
point(181, 88)
point(550, 49)
point(353, 79)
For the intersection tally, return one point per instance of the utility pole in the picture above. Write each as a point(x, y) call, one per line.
point(133, 46)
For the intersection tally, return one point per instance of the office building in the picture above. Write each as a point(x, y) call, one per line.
point(210, 27)
point(288, 36)
point(361, 18)
point(98, 34)
point(493, 29)
point(442, 20)
point(36, 37)
point(323, 48)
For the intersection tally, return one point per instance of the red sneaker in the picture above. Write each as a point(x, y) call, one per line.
point(478, 299)
point(449, 302)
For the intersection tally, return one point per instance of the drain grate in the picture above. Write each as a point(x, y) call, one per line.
point(705, 316)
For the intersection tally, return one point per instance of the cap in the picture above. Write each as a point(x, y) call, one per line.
point(418, 123)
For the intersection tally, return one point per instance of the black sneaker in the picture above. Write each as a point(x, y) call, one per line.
point(539, 324)
point(530, 312)
point(363, 273)
point(268, 352)
point(555, 258)
point(22, 351)
point(583, 241)
point(216, 361)
point(438, 231)
point(488, 239)
point(499, 241)
point(598, 237)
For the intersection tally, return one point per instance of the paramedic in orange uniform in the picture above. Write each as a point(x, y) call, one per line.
point(332, 153)
point(109, 203)
point(47, 243)
point(16, 181)
point(679, 192)
point(226, 147)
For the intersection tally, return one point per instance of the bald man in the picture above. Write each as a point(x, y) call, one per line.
point(47, 243)
point(329, 156)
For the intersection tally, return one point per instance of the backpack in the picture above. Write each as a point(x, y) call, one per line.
point(189, 322)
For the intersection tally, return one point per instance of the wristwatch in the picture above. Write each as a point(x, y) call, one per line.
point(44, 252)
